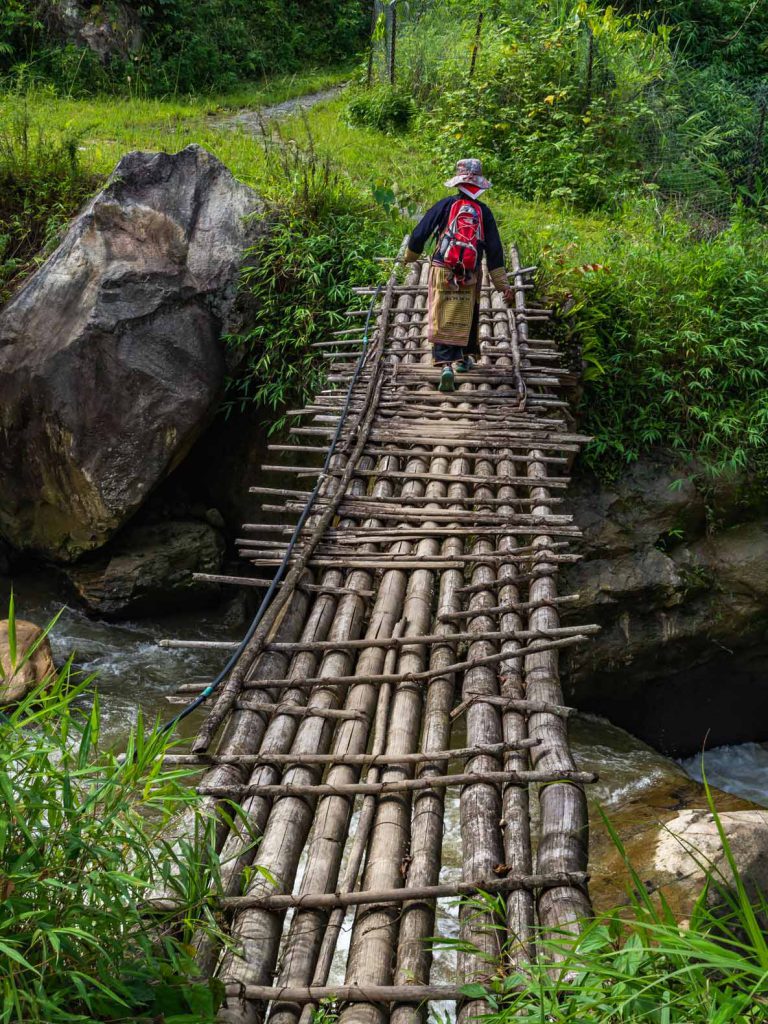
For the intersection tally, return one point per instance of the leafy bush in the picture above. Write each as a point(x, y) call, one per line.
point(298, 278)
point(674, 330)
point(83, 839)
point(553, 103)
point(186, 46)
point(41, 187)
point(385, 108)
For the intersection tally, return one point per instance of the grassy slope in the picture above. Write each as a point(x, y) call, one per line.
point(674, 331)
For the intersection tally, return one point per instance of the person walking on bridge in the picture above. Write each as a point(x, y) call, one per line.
point(464, 230)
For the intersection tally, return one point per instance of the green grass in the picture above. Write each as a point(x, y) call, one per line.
point(84, 838)
point(671, 328)
point(108, 127)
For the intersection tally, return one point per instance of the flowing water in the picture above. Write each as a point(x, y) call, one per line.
point(132, 674)
point(741, 770)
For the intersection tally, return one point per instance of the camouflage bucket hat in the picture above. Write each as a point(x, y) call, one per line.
point(469, 172)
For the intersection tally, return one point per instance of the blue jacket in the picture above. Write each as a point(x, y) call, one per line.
point(436, 218)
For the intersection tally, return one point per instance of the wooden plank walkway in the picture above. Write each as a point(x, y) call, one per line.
point(411, 649)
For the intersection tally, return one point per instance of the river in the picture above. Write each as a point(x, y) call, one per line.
point(133, 674)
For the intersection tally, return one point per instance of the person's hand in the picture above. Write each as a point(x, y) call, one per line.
point(509, 293)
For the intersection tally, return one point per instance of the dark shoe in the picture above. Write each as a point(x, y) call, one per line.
point(447, 382)
point(465, 365)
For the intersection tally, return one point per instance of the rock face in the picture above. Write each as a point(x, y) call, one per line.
point(660, 815)
point(683, 607)
point(15, 682)
point(110, 356)
point(109, 29)
point(148, 569)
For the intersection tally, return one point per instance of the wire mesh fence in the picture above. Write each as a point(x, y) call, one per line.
point(699, 163)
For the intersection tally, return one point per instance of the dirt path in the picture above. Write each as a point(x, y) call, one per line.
point(250, 120)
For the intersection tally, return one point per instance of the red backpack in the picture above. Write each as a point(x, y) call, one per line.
point(457, 246)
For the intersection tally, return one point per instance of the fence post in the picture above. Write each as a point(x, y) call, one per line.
point(372, 43)
point(392, 41)
point(758, 148)
point(476, 44)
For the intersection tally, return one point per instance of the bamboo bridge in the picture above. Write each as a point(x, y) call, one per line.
point(407, 652)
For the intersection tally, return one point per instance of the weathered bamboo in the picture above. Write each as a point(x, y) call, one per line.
point(564, 823)
point(258, 932)
point(418, 916)
point(520, 918)
point(345, 993)
point(432, 758)
point(357, 851)
point(374, 679)
point(447, 890)
point(324, 850)
point(414, 955)
point(405, 641)
point(404, 785)
point(233, 684)
point(480, 804)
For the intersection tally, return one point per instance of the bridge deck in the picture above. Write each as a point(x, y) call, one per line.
point(411, 651)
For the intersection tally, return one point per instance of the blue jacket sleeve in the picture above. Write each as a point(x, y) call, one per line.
point(427, 226)
point(494, 251)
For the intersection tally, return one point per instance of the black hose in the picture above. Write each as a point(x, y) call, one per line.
point(281, 570)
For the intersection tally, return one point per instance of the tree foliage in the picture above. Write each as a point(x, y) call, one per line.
point(175, 46)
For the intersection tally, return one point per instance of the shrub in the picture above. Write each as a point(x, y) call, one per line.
point(83, 839)
point(382, 107)
point(41, 187)
point(298, 278)
point(674, 329)
point(553, 103)
point(187, 46)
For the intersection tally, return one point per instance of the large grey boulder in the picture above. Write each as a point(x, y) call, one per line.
point(110, 356)
point(149, 569)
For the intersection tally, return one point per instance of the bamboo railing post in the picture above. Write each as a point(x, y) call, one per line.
point(515, 799)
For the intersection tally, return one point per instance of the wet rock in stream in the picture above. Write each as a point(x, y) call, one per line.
point(675, 574)
point(662, 819)
point(148, 570)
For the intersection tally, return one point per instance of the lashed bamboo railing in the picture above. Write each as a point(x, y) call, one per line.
point(422, 597)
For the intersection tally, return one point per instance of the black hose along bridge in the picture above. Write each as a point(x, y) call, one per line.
point(407, 656)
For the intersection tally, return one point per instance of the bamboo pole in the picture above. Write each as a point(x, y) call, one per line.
point(404, 785)
point(332, 931)
point(446, 890)
point(520, 917)
point(326, 845)
point(563, 839)
point(345, 993)
point(480, 804)
point(257, 932)
point(375, 929)
point(432, 758)
point(414, 954)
